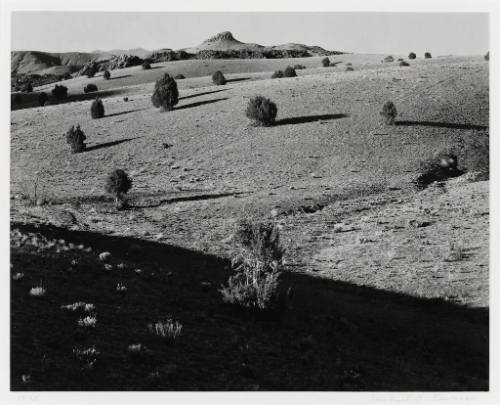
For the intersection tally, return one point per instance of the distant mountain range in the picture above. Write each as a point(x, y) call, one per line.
point(220, 46)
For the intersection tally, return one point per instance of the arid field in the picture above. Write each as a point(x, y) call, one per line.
point(388, 277)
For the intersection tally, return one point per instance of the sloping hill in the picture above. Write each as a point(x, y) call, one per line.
point(45, 62)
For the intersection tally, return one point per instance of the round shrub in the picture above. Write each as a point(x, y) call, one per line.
point(42, 98)
point(218, 78)
point(487, 56)
point(75, 138)
point(427, 55)
point(349, 69)
point(91, 72)
point(290, 72)
point(166, 94)
point(27, 88)
point(118, 183)
point(106, 75)
point(262, 111)
point(389, 112)
point(146, 65)
point(325, 62)
point(388, 59)
point(89, 88)
point(179, 77)
point(403, 63)
point(412, 55)
point(60, 92)
point(97, 108)
point(278, 74)
point(125, 99)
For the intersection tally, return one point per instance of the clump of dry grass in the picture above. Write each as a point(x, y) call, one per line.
point(168, 329)
point(456, 253)
point(75, 137)
point(88, 322)
point(389, 113)
point(38, 291)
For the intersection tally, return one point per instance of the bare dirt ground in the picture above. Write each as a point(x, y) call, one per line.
point(337, 181)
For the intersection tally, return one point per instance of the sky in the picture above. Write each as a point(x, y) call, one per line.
point(398, 33)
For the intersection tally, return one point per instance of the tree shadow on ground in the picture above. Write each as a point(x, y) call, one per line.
point(310, 118)
point(331, 335)
point(239, 79)
point(197, 197)
point(124, 112)
point(199, 103)
point(119, 77)
point(441, 125)
point(201, 94)
point(108, 144)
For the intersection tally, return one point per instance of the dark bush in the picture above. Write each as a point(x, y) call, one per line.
point(91, 71)
point(412, 56)
point(389, 112)
point(427, 55)
point(179, 77)
point(325, 62)
point(262, 111)
point(299, 67)
point(75, 138)
point(89, 88)
point(278, 74)
point(400, 59)
point(97, 108)
point(487, 56)
point(258, 266)
point(42, 98)
point(388, 59)
point(27, 88)
point(106, 75)
point(166, 94)
point(290, 72)
point(403, 63)
point(60, 92)
point(125, 99)
point(218, 78)
point(349, 69)
point(118, 184)
point(441, 166)
point(146, 65)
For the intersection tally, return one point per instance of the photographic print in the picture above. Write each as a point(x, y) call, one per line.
point(249, 201)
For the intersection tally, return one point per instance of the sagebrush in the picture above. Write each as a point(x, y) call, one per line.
point(97, 108)
point(75, 137)
point(262, 111)
point(118, 183)
point(389, 113)
point(166, 94)
point(218, 78)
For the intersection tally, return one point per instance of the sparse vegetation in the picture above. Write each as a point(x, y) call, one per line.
point(166, 94)
point(76, 139)
point(118, 184)
point(168, 329)
point(325, 62)
point(258, 266)
point(262, 111)
point(389, 113)
point(42, 98)
point(218, 78)
point(89, 88)
point(97, 108)
point(106, 75)
point(60, 92)
point(412, 55)
point(456, 253)
point(278, 74)
point(290, 72)
point(427, 55)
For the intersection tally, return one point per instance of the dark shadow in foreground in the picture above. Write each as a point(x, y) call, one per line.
point(199, 103)
point(331, 336)
point(309, 118)
point(119, 77)
point(108, 144)
point(441, 125)
point(239, 79)
point(197, 197)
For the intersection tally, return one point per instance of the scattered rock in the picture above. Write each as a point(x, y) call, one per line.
point(104, 256)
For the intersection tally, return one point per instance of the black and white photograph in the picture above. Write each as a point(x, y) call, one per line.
point(247, 200)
